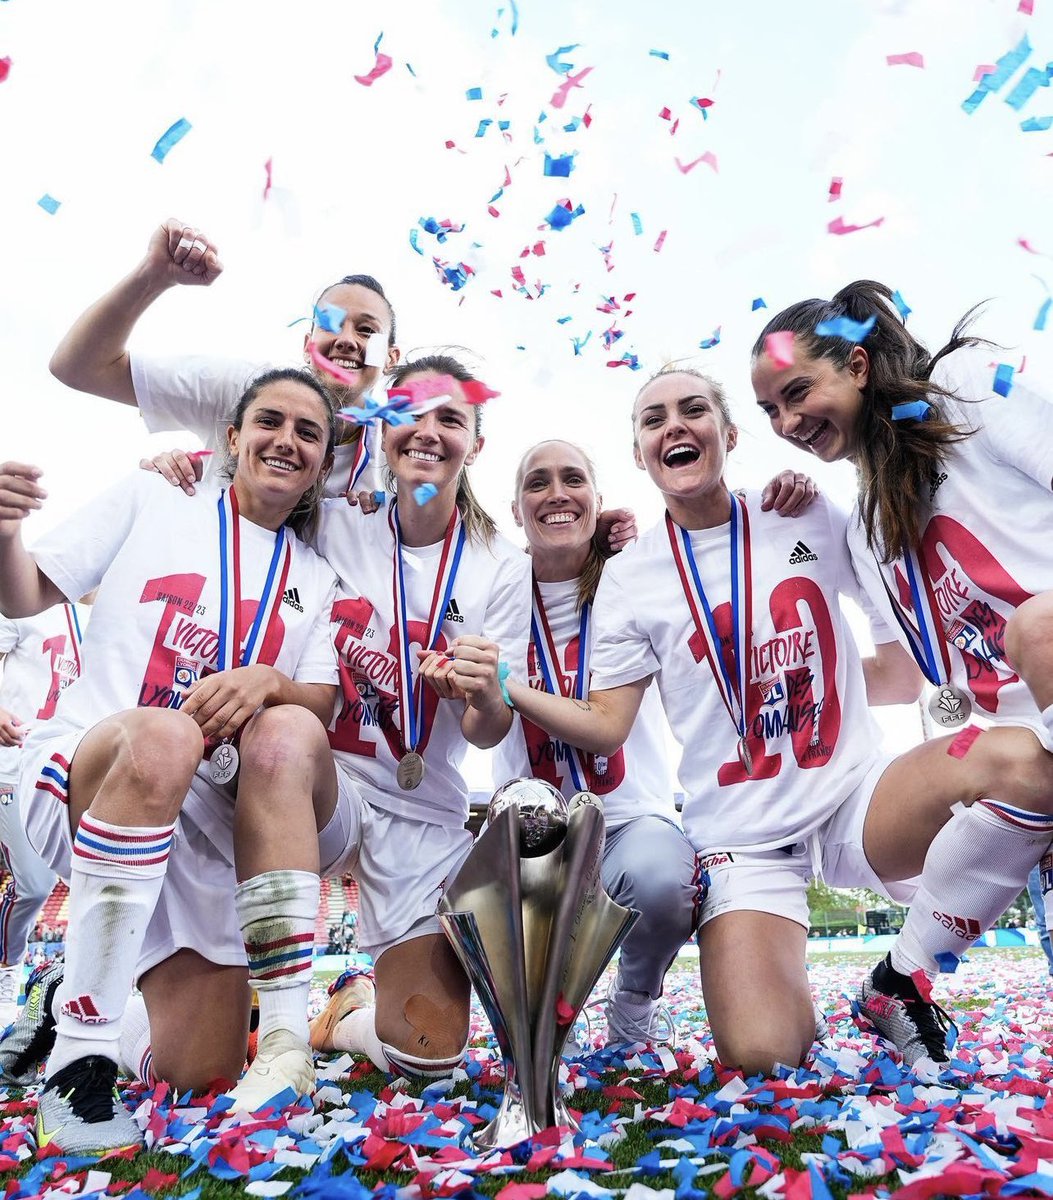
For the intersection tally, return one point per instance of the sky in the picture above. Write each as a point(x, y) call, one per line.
point(800, 95)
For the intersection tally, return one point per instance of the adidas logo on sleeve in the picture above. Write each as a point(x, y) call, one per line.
point(801, 554)
point(292, 598)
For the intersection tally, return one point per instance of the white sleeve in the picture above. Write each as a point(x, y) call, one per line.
point(76, 554)
point(191, 392)
point(864, 589)
point(317, 663)
point(507, 618)
point(621, 653)
point(9, 636)
point(1019, 430)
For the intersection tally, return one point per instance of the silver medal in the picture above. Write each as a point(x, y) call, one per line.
point(949, 706)
point(745, 757)
point(410, 771)
point(223, 765)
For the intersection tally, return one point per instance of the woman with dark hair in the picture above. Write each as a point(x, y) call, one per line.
point(427, 580)
point(209, 643)
point(198, 393)
point(648, 863)
point(955, 467)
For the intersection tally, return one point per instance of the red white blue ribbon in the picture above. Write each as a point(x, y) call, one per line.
point(928, 634)
point(233, 650)
point(410, 688)
point(555, 681)
point(75, 635)
point(732, 689)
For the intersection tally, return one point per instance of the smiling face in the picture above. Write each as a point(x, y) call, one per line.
point(813, 403)
point(682, 437)
point(556, 502)
point(437, 445)
point(367, 313)
point(281, 447)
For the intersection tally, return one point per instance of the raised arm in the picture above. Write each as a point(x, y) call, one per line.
point(93, 356)
point(24, 589)
point(598, 725)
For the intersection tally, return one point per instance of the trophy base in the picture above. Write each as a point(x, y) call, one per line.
point(514, 1123)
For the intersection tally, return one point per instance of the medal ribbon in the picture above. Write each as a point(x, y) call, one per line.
point(360, 459)
point(410, 688)
point(929, 633)
point(732, 691)
point(231, 653)
point(75, 635)
point(548, 661)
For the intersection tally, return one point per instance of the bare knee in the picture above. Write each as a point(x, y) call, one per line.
point(422, 999)
point(762, 1053)
point(1030, 628)
point(282, 737)
point(1017, 769)
point(155, 754)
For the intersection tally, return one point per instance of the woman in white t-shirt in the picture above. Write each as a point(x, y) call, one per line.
point(353, 326)
point(735, 614)
point(648, 863)
point(955, 465)
point(209, 636)
point(427, 579)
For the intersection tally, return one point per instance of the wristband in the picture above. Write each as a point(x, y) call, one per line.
point(503, 672)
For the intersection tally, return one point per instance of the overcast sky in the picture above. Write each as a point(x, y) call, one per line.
point(800, 94)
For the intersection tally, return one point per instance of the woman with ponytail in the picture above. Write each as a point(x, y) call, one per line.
point(955, 467)
point(648, 863)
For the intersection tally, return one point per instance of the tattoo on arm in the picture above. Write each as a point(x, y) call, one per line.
point(584, 705)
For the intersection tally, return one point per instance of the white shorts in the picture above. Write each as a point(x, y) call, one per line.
point(401, 867)
point(776, 881)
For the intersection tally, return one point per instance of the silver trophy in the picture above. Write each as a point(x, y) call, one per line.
point(532, 926)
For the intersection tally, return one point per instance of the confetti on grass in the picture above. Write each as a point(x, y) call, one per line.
point(171, 136)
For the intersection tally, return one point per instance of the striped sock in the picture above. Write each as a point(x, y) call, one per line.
point(975, 868)
point(115, 878)
point(277, 911)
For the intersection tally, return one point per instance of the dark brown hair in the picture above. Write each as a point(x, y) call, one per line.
point(895, 459)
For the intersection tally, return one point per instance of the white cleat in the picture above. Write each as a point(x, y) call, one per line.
point(283, 1062)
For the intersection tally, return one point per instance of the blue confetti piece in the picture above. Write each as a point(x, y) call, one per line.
point(484, 125)
point(1029, 83)
point(330, 317)
point(475, 93)
point(659, 54)
point(560, 166)
point(173, 134)
point(503, 124)
point(553, 59)
point(711, 341)
point(49, 204)
point(424, 493)
point(1003, 379)
point(902, 306)
point(581, 343)
point(414, 241)
point(912, 410)
point(1036, 124)
point(740, 1160)
point(945, 960)
point(563, 320)
point(376, 44)
point(819, 1189)
point(845, 327)
point(560, 217)
point(994, 80)
point(637, 223)
point(1043, 314)
point(758, 303)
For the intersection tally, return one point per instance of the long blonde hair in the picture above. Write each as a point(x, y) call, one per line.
point(479, 526)
point(589, 579)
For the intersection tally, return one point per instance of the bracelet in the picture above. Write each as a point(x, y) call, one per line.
point(503, 672)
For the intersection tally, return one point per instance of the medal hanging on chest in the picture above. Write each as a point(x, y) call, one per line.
point(410, 770)
point(949, 706)
point(233, 652)
point(557, 683)
point(732, 688)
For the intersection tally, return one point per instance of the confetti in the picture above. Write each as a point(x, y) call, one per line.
point(559, 97)
point(267, 166)
point(991, 81)
point(711, 341)
point(779, 347)
point(475, 93)
point(660, 240)
point(637, 223)
point(173, 134)
point(846, 328)
point(1003, 379)
point(1043, 314)
point(5, 68)
point(904, 309)
point(49, 204)
point(1029, 83)
point(554, 59)
point(424, 493)
point(563, 214)
point(659, 54)
point(911, 59)
point(1036, 124)
point(330, 317)
point(912, 410)
point(560, 166)
point(709, 158)
point(380, 67)
point(839, 226)
point(834, 192)
point(758, 303)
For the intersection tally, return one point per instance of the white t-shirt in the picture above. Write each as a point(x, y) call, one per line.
point(986, 546)
point(199, 393)
point(41, 659)
point(490, 598)
point(810, 731)
point(153, 553)
point(634, 782)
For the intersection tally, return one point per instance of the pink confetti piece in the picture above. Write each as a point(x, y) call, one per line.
point(911, 59)
point(200, 453)
point(1027, 7)
point(982, 70)
point(779, 348)
point(381, 67)
point(834, 192)
point(5, 68)
point(660, 240)
point(709, 158)
point(840, 227)
point(267, 166)
point(559, 97)
point(1024, 244)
